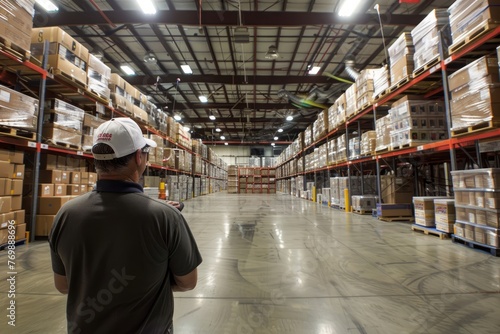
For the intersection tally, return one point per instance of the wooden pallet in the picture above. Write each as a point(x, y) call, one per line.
point(411, 144)
point(397, 219)
point(381, 94)
point(16, 243)
point(383, 150)
point(63, 76)
point(13, 49)
point(64, 145)
point(475, 128)
point(475, 245)
point(431, 63)
point(98, 97)
point(430, 230)
point(19, 133)
point(398, 84)
point(472, 35)
point(362, 212)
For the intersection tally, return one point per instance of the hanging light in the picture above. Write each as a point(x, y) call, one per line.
point(222, 137)
point(212, 117)
point(289, 118)
point(48, 6)
point(203, 98)
point(276, 138)
point(280, 130)
point(272, 53)
point(186, 69)
point(226, 144)
point(272, 144)
point(177, 117)
point(217, 129)
point(314, 70)
point(348, 7)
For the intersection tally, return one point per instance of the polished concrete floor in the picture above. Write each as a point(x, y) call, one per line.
point(279, 264)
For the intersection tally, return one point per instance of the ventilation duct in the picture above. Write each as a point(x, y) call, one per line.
point(349, 68)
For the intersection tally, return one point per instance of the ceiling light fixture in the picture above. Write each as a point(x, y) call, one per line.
point(186, 69)
point(275, 138)
point(48, 6)
point(147, 6)
point(289, 118)
point(280, 130)
point(272, 144)
point(272, 53)
point(212, 117)
point(314, 70)
point(187, 128)
point(177, 117)
point(217, 129)
point(127, 70)
point(222, 137)
point(149, 57)
point(348, 7)
point(226, 144)
point(203, 98)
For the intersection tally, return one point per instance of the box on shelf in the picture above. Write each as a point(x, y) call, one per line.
point(18, 110)
point(364, 202)
point(444, 213)
point(394, 210)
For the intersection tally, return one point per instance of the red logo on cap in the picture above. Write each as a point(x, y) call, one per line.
point(104, 136)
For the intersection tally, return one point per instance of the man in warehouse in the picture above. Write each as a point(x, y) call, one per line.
point(117, 253)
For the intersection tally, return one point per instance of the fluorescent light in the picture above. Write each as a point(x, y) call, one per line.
point(212, 117)
point(186, 69)
point(186, 128)
point(47, 5)
point(289, 118)
point(147, 6)
point(348, 7)
point(272, 144)
point(217, 129)
point(280, 130)
point(127, 70)
point(177, 117)
point(203, 98)
point(314, 70)
point(226, 144)
point(222, 137)
point(275, 138)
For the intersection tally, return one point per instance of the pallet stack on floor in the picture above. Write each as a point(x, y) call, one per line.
point(425, 215)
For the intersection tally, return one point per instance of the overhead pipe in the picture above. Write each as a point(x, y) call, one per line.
point(349, 68)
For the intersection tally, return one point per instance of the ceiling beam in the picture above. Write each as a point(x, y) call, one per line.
point(226, 18)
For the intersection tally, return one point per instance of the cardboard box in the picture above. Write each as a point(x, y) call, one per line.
point(16, 187)
point(60, 189)
point(46, 189)
point(18, 172)
point(5, 186)
point(4, 233)
point(75, 178)
point(19, 216)
point(73, 189)
point(58, 35)
point(15, 157)
point(492, 238)
point(20, 231)
point(394, 210)
point(5, 204)
point(444, 212)
point(480, 68)
point(50, 176)
point(469, 232)
point(459, 229)
point(51, 205)
point(6, 169)
point(5, 218)
point(44, 225)
point(48, 162)
point(444, 227)
point(60, 134)
point(16, 202)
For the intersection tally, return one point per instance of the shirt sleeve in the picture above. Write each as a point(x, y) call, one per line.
point(184, 254)
point(57, 263)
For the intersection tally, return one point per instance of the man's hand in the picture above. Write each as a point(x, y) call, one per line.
point(178, 205)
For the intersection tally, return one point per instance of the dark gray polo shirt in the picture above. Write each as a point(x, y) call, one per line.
point(118, 249)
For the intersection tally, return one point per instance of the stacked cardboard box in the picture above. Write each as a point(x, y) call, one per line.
point(156, 153)
point(475, 97)
point(477, 205)
point(364, 202)
point(320, 125)
point(354, 148)
point(63, 123)
point(98, 77)
point(383, 129)
point(308, 136)
point(11, 190)
point(401, 58)
point(396, 190)
point(365, 88)
point(426, 37)
point(16, 23)
point(467, 15)
point(18, 110)
point(350, 98)
point(182, 136)
point(381, 81)
point(425, 211)
point(368, 142)
point(444, 214)
point(90, 123)
point(331, 151)
point(341, 149)
point(66, 55)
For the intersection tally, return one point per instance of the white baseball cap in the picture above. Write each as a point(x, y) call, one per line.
point(123, 135)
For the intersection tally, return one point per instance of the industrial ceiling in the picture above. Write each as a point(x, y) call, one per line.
point(250, 59)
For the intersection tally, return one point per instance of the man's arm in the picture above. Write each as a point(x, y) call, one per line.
point(61, 283)
point(186, 282)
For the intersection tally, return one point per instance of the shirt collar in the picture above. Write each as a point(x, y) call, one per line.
point(117, 186)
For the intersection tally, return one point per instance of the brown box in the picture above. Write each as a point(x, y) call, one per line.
point(16, 187)
point(46, 189)
point(60, 189)
point(44, 225)
point(19, 216)
point(48, 162)
point(61, 134)
point(20, 231)
point(444, 227)
point(50, 176)
point(58, 35)
point(492, 200)
point(83, 188)
point(16, 202)
point(444, 212)
point(396, 190)
point(14, 34)
point(15, 157)
point(479, 235)
point(5, 204)
point(480, 68)
point(6, 169)
point(75, 178)
point(5, 218)
point(18, 172)
point(394, 210)
point(73, 189)
point(469, 232)
point(4, 233)
point(5, 186)
point(51, 205)
point(459, 229)
point(492, 238)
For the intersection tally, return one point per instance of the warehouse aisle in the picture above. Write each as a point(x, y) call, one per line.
point(279, 264)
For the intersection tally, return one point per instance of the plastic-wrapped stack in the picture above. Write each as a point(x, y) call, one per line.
point(63, 123)
point(320, 126)
point(444, 214)
point(426, 37)
point(364, 202)
point(383, 130)
point(308, 137)
point(368, 142)
point(365, 88)
point(341, 149)
point(350, 97)
point(336, 113)
point(416, 122)
point(354, 148)
point(401, 58)
point(468, 15)
point(98, 76)
point(474, 89)
point(18, 110)
point(424, 210)
point(332, 151)
point(334, 191)
point(477, 205)
point(17, 22)
point(381, 81)
point(322, 156)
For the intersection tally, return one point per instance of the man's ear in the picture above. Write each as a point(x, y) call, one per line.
point(138, 157)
